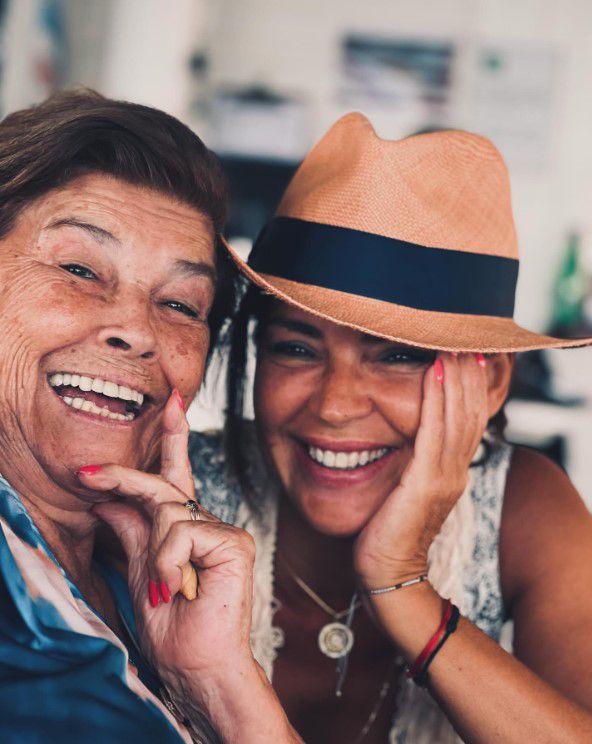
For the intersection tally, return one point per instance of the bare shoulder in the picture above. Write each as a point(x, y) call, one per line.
point(546, 528)
point(546, 569)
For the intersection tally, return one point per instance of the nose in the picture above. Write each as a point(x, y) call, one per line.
point(129, 330)
point(342, 396)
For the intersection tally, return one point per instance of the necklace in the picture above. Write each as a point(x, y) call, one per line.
point(335, 639)
point(395, 666)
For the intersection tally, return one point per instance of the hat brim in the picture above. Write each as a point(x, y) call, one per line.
point(406, 325)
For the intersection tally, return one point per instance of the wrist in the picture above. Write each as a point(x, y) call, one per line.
point(396, 572)
point(409, 616)
point(237, 700)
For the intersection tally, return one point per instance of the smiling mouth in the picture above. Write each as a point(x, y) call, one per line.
point(98, 396)
point(334, 460)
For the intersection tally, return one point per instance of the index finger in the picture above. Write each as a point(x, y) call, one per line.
point(174, 456)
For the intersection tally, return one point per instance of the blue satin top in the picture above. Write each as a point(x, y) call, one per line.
point(64, 675)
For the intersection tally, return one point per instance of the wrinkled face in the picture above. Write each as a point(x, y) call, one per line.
point(337, 411)
point(106, 289)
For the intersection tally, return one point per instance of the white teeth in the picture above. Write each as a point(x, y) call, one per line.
point(341, 460)
point(328, 459)
point(111, 390)
point(85, 384)
point(125, 393)
point(352, 460)
point(345, 460)
point(97, 385)
point(90, 407)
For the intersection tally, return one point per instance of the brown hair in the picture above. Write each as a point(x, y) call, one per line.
point(78, 132)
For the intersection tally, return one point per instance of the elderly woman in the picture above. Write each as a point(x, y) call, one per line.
point(394, 526)
point(109, 217)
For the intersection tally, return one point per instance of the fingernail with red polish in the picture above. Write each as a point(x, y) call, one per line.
point(480, 359)
point(90, 469)
point(439, 370)
point(179, 399)
point(164, 592)
point(153, 593)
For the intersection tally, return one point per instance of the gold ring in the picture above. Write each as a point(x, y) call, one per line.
point(193, 509)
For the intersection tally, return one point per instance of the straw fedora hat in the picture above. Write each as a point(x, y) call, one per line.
point(412, 240)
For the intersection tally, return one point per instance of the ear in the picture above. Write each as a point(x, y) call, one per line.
point(499, 376)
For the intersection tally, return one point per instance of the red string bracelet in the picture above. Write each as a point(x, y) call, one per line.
point(418, 664)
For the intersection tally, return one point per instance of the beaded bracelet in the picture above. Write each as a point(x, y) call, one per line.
point(401, 585)
point(419, 669)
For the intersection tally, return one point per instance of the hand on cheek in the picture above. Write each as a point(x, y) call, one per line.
point(394, 545)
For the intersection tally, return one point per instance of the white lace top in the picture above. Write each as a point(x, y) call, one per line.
point(463, 565)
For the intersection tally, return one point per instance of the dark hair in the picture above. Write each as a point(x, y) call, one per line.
point(249, 322)
point(75, 133)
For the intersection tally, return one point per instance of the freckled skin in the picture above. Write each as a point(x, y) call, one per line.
point(53, 320)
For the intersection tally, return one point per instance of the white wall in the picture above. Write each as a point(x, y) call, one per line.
point(294, 45)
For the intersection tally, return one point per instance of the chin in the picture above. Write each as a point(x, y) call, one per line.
point(335, 520)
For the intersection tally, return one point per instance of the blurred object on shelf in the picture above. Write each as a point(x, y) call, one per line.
point(34, 50)
point(512, 92)
point(533, 380)
point(572, 293)
point(403, 84)
point(256, 186)
point(257, 122)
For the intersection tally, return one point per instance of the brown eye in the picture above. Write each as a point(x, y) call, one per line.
point(414, 357)
point(292, 349)
point(79, 270)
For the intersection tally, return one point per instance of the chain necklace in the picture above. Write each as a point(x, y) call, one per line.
point(335, 639)
point(395, 666)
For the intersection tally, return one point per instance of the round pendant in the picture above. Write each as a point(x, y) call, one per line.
point(336, 640)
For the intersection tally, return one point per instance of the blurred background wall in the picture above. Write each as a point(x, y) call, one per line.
point(261, 80)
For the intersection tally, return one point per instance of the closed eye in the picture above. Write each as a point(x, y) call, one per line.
point(180, 307)
point(78, 270)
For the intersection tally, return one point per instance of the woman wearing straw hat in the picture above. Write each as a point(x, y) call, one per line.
point(396, 531)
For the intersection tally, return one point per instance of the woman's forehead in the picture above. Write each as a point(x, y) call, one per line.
point(106, 209)
point(293, 318)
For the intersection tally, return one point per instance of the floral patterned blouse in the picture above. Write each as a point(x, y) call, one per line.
point(463, 562)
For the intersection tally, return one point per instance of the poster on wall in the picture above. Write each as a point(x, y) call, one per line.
point(510, 97)
point(402, 84)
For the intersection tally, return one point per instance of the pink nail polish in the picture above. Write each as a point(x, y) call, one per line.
point(152, 593)
point(480, 359)
point(439, 370)
point(164, 592)
point(90, 469)
point(179, 399)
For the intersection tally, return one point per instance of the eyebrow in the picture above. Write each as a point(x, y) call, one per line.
point(97, 233)
point(297, 326)
point(197, 269)
point(183, 266)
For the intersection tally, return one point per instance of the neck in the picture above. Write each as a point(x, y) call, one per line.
point(63, 519)
point(324, 562)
